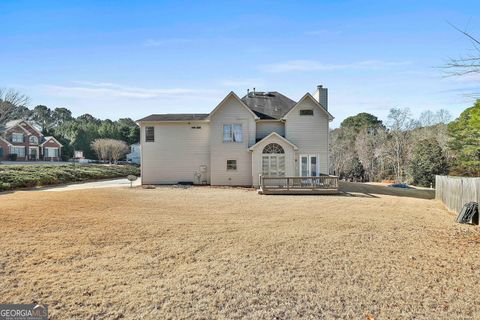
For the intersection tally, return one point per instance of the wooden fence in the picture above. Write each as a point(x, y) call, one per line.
point(454, 192)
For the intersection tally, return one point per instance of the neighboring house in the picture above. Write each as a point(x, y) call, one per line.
point(134, 155)
point(25, 140)
point(262, 133)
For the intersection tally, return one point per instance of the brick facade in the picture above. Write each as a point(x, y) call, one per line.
point(34, 143)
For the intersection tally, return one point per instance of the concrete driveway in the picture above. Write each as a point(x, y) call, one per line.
point(115, 183)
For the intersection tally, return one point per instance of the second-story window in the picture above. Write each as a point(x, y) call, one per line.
point(232, 133)
point(17, 137)
point(33, 140)
point(149, 134)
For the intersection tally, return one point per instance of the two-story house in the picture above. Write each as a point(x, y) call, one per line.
point(262, 133)
point(22, 140)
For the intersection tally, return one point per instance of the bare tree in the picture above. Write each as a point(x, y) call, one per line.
point(400, 124)
point(427, 118)
point(10, 99)
point(368, 146)
point(466, 64)
point(118, 149)
point(101, 148)
point(443, 116)
point(110, 149)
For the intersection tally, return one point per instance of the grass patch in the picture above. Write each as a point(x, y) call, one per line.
point(24, 176)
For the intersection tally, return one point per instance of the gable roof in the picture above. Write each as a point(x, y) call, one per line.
point(14, 123)
point(232, 94)
point(51, 138)
point(175, 117)
point(6, 141)
point(272, 135)
point(268, 105)
point(262, 105)
point(309, 96)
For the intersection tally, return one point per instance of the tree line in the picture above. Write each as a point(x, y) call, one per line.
point(406, 149)
point(75, 133)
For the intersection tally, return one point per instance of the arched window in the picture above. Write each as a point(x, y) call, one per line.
point(273, 148)
point(273, 160)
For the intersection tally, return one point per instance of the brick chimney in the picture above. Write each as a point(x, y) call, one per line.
point(321, 95)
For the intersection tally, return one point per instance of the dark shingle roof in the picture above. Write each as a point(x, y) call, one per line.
point(175, 117)
point(268, 105)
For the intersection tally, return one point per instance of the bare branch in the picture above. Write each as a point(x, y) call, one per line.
point(9, 100)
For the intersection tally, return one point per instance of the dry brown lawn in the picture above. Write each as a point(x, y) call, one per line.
point(220, 253)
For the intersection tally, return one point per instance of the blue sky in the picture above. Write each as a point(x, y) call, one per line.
point(133, 58)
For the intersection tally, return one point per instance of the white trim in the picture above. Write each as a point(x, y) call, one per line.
point(308, 95)
point(271, 135)
point(51, 138)
point(31, 126)
point(232, 94)
point(6, 141)
point(309, 164)
point(18, 125)
point(38, 151)
point(153, 122)
point(54, 148)
point(24, 151)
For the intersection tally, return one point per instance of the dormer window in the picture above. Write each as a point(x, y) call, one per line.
point(306, 112)
point(33, 140)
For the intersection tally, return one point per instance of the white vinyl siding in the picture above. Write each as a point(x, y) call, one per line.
point(231, 112)
point(177, 154)
point(17, 137)
point(264, 128)
point(309, 133)
point(287, 161)
point(19, 151)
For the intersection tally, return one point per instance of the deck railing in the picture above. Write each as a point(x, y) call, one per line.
point(298, 184)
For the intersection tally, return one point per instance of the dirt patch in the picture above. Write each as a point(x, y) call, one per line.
point(202, 252)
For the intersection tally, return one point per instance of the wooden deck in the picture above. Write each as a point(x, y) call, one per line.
point(298, 185)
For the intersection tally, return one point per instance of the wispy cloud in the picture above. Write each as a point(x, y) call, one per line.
point(112, 91)
point(466, 78)
point(170, 41)
point(311, 65)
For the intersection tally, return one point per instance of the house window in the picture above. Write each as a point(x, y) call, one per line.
point(273, 160)
point(306, 112)
point(51, 152)
point(231, 164)
point(232, 133)
point(17, 137)
point(149, 134)
point(19, 151)
point(33, 140)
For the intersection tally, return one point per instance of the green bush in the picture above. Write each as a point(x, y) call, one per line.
point(21, 176)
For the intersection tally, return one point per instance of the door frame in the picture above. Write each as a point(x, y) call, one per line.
point(309, 164)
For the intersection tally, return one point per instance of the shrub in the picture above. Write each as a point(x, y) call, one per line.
point(21, 176)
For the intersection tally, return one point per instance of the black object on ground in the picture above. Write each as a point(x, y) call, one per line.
point(469, 213)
